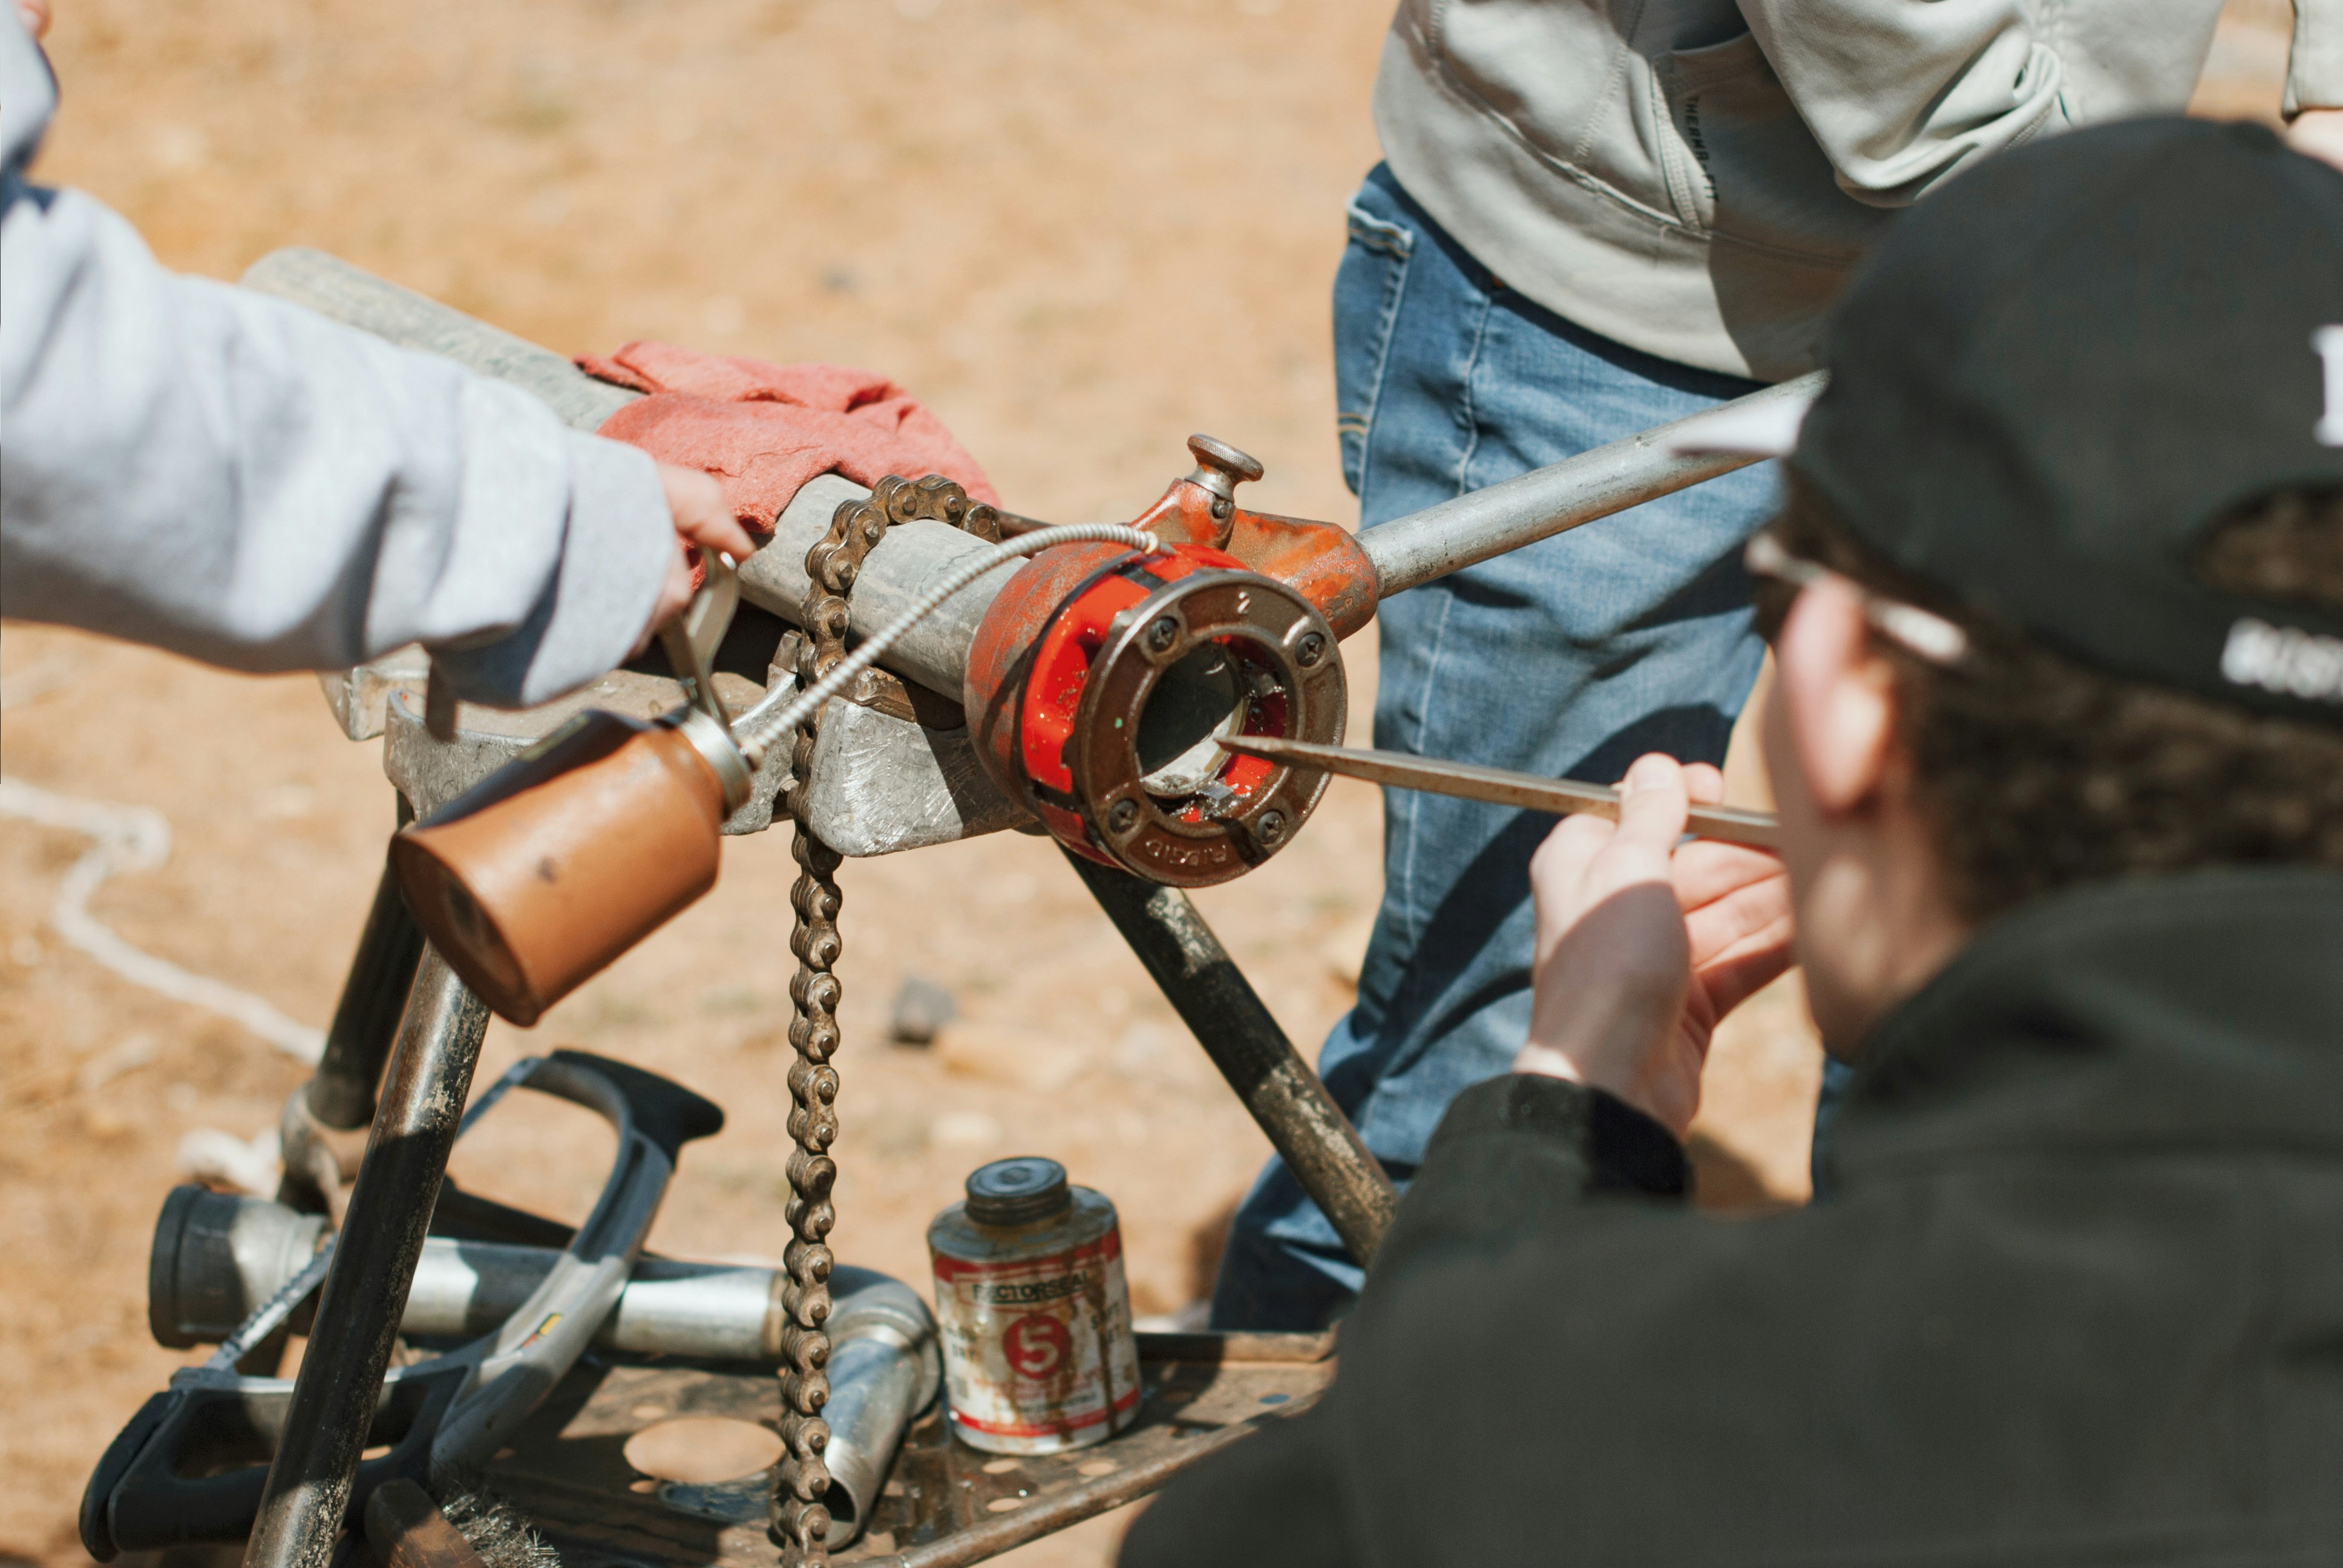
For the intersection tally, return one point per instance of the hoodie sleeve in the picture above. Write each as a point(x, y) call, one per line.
point(235, 479)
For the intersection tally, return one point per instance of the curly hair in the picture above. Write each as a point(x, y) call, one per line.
point(2033, 772)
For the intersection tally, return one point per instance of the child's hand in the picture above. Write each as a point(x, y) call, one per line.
point(703, 521)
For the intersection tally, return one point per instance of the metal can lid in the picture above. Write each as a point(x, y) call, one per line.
point(1018, 1191)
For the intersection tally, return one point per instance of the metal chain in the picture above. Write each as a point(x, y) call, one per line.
point(801, 1511)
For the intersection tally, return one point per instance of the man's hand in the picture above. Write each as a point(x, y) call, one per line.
point(2319, 133)
point(1644, 947)
point(703, 521)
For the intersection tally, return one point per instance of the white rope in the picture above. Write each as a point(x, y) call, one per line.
point(136, 839)
point(254, 1166)
point(755, 728)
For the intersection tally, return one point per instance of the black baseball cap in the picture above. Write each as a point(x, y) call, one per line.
point(2053, 375)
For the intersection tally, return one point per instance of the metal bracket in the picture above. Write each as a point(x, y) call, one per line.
point(881, 784)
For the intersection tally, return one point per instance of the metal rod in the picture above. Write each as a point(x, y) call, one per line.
point(1213, 997)
point(340, 1380)
point(1498, 786)
point(1410, 551)
point(365, 1024)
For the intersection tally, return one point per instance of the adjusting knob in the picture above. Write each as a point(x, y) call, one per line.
point(1220, 468)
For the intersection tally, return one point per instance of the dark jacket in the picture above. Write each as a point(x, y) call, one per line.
point(2077, 1298)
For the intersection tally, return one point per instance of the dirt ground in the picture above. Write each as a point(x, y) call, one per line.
point(1082, 229)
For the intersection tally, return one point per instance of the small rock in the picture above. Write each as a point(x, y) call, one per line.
point(921, 1009)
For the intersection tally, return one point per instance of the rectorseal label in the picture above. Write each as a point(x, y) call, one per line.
point(1038, 1352)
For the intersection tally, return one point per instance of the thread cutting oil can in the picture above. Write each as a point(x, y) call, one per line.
point(1033, 1312)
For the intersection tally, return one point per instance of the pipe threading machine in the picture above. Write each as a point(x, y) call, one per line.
point(1082, 693)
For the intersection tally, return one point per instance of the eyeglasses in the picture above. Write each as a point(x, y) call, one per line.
point(1922, 633)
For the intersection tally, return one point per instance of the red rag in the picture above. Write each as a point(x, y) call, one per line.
point(763, 430)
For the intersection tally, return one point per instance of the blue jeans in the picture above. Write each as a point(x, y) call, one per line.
point(1570, 658)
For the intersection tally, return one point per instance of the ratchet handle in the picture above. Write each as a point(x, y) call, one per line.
point(663, 1112)
point(121, 1455)
point(150, 1491)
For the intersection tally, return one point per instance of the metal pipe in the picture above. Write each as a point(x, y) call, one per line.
point(912, 558)
point(374, 998)
point(340, 1380)
point(333, 288)
point(718, 1310)
point(1217, 1003)
point(1410, 551)
point(1407, 552)
point(885, 1367)
point(218, 1255)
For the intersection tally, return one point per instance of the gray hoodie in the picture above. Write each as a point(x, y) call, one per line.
point(1695, 179)
point(233, 478)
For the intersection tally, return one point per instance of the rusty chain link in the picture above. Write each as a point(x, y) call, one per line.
point(800, 1510)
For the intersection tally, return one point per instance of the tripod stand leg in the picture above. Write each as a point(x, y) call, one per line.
point(340, 1380)
point(1216, 1003)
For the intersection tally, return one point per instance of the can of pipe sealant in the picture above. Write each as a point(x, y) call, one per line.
point(1032, 1312)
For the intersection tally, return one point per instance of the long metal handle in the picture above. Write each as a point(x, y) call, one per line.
point(1217, 1003)
point(1410, 551)
point(340, 1380)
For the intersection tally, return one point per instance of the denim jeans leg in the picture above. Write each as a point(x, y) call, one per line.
point(1569, 658)
point(1838, 1077)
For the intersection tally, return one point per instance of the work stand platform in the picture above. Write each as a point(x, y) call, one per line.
point(943, 1502)
point(889, 771)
